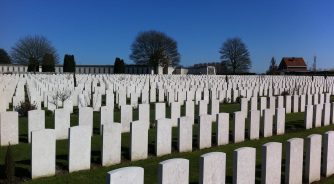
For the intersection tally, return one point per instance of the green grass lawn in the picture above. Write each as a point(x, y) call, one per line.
point(97, 174)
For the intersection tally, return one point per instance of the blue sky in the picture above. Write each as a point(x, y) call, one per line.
point(98, 31)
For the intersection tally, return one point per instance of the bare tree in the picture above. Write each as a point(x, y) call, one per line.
point(32, 47)
point(235, 56)
point(156, 49)
point(60, 95)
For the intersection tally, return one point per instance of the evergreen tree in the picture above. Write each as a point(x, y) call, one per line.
point(119, 66)
point(4, 57)
point(48, 63)
point(9, 166)
point(72, 64)
point(66, 62)
point(273, 68)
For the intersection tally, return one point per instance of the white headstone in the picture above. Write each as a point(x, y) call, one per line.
point(9, 128)
point(126, 175)
point(313, 158)
point(317, 115)
point(326, 114)
point(205, 131)
point(254, 124)
point(79, 148)
point(139, 140)
point(328, 154)
point(175, 112)
point(185, 134)
point(163, 137)
point(106, 115)
point(222, 122)
point(43, 153)
point(126, 117)
point(244, 165)
point(62, 123)
point(308, 117)
point(86, 117)
point(160, 111)
point(144, 114)
point(212, 168)
point(239, 127)
point(36, 121)
point(190, 110)
point(173, 171)
point(111, 143)
point(294, 160)
point(267, 123)
point(280, 121)
point(271, 163)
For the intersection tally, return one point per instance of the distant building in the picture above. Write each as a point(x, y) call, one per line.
point(292, 64)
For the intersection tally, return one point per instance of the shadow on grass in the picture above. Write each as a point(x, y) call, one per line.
point(23, 138)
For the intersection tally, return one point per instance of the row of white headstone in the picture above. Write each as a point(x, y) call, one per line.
point(194, 88)
point(212, 167)
point(292, 104)
point(80, 139)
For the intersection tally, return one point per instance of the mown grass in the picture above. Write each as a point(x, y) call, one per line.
point(97, 174)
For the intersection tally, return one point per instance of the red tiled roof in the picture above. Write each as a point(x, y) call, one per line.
point(293, 61)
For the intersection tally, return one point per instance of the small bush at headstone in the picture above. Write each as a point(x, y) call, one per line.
point(238, 99)
point(9, 166)
point(24, 107)
point(285, 93)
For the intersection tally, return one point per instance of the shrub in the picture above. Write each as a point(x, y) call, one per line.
point(238, 99)
point(285, 93)
point(9, 166)
point(24, 107)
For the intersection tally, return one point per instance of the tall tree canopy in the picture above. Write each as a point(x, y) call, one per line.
point(69, 63)
point(32, 47)
point(155, 48)
point(4, 57)
point(235, 56)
